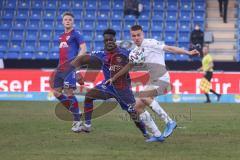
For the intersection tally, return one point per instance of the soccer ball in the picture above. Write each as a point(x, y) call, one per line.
point(136, 56)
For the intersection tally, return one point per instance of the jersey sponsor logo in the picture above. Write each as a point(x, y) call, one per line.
point(119, 59)
point(63, 45)
point(67, 38)
point(115, 68)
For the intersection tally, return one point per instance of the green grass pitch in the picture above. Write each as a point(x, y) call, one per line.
point(32, 131)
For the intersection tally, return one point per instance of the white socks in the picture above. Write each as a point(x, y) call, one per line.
point(148, 121)
point(160, 112)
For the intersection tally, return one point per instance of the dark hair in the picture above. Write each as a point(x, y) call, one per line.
point(67, 14)
point(136, 27)
point(109, 31)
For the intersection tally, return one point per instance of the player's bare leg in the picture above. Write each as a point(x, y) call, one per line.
point(88, 106)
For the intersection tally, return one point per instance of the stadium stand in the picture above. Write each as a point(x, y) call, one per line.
point(30, 29)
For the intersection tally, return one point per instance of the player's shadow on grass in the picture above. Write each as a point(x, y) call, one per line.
point(100, 109)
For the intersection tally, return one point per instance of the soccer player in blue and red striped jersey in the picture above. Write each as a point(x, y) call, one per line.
point(110, 60)
point(71, 45)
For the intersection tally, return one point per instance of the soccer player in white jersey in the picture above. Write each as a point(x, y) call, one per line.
point(159, 82)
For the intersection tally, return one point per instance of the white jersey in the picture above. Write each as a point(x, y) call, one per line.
point(155, 59)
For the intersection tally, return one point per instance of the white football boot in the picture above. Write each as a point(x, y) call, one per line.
point(76, 126)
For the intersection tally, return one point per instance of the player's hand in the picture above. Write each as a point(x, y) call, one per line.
point(194, 52)
point(109, 81)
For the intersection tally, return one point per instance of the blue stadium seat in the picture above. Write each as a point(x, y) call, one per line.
point(58, 32)
point(172, 5)
point(49, 14)
point(12, 55)
point(184, 45)
point(60, 12)
point(170, 26)
point(169, 57)
point(26, 55)
point(78, 14)
point(8, 13)
point(184, 36)
point(99, 36)
point(171, 15)
point(51, 4)
point(5, 34)
point(88, 25)
point(64, 5)
point(32, 35)
point(144, 23)
point(53, 55)
point(185, 16)
point(195, 58)
point(170, 37)
point(6, 23)
point(116, 24)
point(104, 5)
point(126, 35)
point(98, 45)
point(157, 25)
point(90, 15)
point(199, 15)
point(182, 57)
point(158, 5)
point(15, 46)
point(184, 26)
point(22, 14)
point(144, 16)
point(77, 5)
point(91, 4)
point(29, 48)
point(23, 4)
point(30, 44)
point(3, 46)
point(35, 13)
point(117, 14)
point(156, 35)
point(117, 5)
point(158, 15)
point(199, 6)
point(47, 24)
point(36, 4)
point(43, 47)
point(40, 55)
point(17, 35)
point(19, 24)
point(103, 14)
point(186, 5)
point(33, 24)
point(10, 4)
point(102, 24)
point(147, 5)
point(45, 35)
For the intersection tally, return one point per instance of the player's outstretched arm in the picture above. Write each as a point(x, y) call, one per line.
point(123, 71)
point(81, 60)
point(178, 50)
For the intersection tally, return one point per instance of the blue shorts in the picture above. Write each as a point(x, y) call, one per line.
point(124, 97)
point(65, 82)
